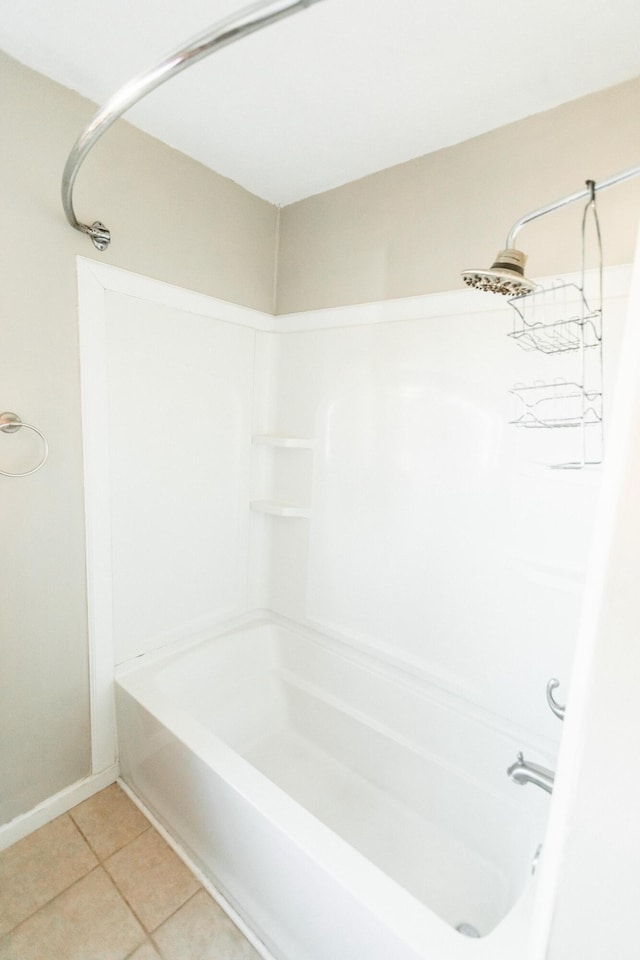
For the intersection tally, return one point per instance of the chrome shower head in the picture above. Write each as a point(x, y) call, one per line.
point(506, 275)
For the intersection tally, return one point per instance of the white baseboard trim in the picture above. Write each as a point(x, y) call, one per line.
point(55, 806)
point(201, 877)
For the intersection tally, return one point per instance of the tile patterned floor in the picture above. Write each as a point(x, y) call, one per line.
point(100, 883)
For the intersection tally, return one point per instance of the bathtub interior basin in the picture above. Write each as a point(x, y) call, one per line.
point(337, 747)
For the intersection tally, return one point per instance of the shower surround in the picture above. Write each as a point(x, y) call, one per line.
point(352, 472)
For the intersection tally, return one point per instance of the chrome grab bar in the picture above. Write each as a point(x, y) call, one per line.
point(553, 703)
point(226, 31)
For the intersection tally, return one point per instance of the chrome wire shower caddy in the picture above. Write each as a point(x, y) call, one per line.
point(564, 323)
point(556, 322)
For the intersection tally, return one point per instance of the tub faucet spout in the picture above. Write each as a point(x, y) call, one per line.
point(522, 772)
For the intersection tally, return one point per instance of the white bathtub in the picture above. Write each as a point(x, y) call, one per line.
point(343, 809)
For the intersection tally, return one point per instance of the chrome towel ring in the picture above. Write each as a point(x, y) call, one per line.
point(11, 423)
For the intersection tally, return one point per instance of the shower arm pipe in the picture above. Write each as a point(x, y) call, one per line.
point(221, 34)
point(572, 198)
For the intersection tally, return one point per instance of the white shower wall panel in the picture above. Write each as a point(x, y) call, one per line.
point(432, 537)
point(180, 390)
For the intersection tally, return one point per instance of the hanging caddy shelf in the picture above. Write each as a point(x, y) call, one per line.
point(557, 319)
point(559, 403)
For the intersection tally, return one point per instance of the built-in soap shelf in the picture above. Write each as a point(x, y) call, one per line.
point(276, 507)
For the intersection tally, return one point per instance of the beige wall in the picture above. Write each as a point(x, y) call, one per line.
point(413, 228)
point(170, 218)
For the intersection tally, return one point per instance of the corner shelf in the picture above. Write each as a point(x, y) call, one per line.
point(279, 441)
point(276, 508)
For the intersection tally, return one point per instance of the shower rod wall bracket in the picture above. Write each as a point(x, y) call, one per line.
point(100, 235)
point(247, 20)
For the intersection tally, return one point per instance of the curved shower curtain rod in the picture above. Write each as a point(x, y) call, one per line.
point(227, 31)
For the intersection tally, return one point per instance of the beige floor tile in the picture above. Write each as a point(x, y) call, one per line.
point(152, 879)
point(89, 921)
point(38, 868)
point(109, 820)
point(200, 930)
point(146, 952)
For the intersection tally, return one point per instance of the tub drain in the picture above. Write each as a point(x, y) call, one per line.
point(467, 929)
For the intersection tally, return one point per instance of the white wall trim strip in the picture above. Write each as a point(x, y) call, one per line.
point(93, 375)
point(117, 280)
point(450, 303)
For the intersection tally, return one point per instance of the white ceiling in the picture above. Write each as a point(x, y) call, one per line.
point(340, 90)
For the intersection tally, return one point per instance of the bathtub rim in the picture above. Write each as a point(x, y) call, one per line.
point(154, 663)
point(377, 658)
